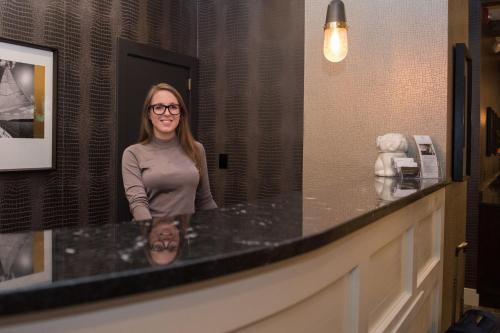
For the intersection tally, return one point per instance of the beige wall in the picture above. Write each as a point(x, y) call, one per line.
point(394, 79)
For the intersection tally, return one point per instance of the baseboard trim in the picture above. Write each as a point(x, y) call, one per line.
point(471, 297)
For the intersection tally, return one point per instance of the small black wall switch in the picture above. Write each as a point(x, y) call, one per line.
point(223, 159)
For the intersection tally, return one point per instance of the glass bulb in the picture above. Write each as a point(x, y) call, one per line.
point(335, 43)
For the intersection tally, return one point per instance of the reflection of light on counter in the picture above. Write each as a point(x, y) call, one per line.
point(25, 261)
point(25, 78)
point(399, 193)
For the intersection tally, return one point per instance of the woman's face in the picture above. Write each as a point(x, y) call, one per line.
point(164, 241)
point(164, 125)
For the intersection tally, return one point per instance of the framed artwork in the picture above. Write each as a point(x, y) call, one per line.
point(462, 88)
point(27, 106)
point(492, 132)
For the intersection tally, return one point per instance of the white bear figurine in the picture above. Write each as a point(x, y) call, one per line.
point(389, 146)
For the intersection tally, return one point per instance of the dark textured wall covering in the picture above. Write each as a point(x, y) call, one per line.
point(251, 95)
point(251, 83)
point(80, 190)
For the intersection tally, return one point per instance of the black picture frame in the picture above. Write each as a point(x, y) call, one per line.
point(462, 89)
point(38, 151)
point(492, 132)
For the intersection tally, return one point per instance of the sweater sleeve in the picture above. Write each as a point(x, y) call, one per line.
point(204, 198)
point(134, 187)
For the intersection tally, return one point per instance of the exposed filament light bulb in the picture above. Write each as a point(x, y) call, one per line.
point(335, 32)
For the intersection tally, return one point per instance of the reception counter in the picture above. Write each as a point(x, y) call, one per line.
point(360, 255)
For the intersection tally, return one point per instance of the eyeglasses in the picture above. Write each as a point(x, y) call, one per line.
point(164, 243)
point(159, 109)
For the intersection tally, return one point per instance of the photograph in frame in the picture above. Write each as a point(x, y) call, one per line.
point(492, 132)
point(27, 106)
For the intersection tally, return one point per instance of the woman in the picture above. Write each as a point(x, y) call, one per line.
point(165, 174)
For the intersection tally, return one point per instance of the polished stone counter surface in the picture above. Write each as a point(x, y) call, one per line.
point(48, 269)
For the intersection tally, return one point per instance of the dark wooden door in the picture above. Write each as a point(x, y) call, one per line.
point(488, 266)
point(139, 67)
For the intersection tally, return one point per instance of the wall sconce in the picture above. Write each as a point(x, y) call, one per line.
point(335, 31)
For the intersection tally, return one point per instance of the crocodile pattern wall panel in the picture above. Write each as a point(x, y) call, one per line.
point(251, 80)
point(80, 190)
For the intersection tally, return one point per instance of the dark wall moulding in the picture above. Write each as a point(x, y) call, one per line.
point(462, 89)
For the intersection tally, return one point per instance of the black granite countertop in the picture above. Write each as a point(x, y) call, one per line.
point(60, 267)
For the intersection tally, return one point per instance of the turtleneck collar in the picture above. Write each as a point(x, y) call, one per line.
point(162, 144)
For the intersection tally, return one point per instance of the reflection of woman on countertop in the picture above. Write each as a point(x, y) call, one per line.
point(164, 240)
point(165, 174)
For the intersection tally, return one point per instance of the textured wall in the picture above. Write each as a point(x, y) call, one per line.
point(251, 95)
point(80, 190)
point(394, 79)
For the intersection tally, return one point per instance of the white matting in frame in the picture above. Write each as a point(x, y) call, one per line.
point(27, 106)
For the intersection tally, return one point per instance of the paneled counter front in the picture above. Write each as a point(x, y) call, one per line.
point(367, 261)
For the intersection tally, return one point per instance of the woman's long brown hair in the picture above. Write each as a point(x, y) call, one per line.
point(182, 131)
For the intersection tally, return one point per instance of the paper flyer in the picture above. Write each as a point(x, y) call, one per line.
point(429, 167)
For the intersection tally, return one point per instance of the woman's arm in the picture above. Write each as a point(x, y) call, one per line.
point(134, 187)
point(204, 198)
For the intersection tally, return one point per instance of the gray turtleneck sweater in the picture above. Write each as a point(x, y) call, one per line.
point(161, 180)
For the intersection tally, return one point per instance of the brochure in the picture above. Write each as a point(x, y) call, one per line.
point(429, 166)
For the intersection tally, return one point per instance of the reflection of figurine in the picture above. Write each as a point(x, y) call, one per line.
point(385, 188)
point(165, 237)
point(390, 145)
